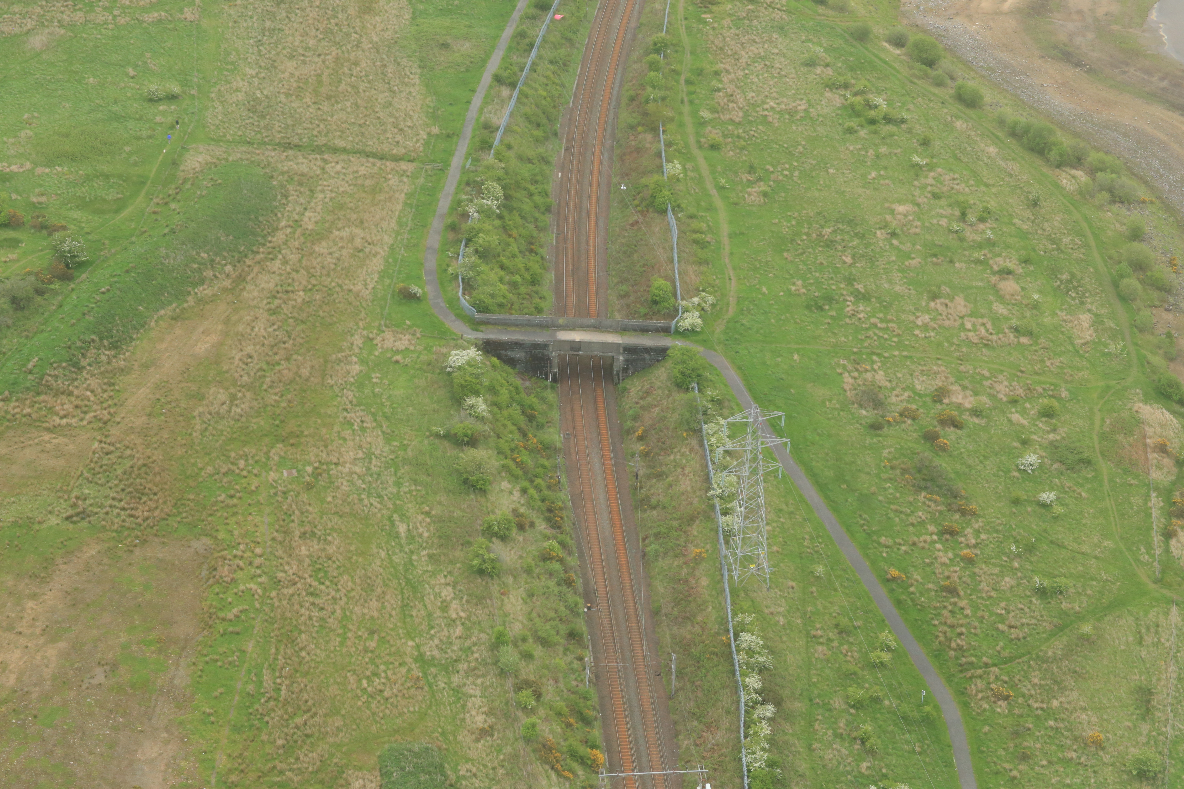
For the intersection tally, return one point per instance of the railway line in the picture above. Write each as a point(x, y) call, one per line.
point(637, 730)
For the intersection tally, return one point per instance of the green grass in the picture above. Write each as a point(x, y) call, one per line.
point(816, 619)
point(840, 294)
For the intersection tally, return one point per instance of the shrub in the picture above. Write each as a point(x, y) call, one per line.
point(1120, 189)
point(897, 37)
point(861, 32)
point(941, 445)
point(940, 79)
point(879, 659)
point(1047, 498)
point(661, 43)
point(896, 575)
point(1130, 290)
point(967, 556)
point(60, 272)
point(525, 699)
point(1049, 409)
point(410, 292)
point(948, 418)
point(1135, 229)
point(69, 251)
point(941, 393)
point(501, 636)
point(1146, 765)
point(1000, 693)
point(466, 433)
point(690, 321)
point(1144, 321)
point(1169, 386)
point(969, 94)
point(13, 218)
point(687, 367)
point(924, 50)
point(498, 527)
point(931, 435)
point(1138, 257)
point(18, 292)
point(1099, 162)
point(475, 469)
point(887, 641)
point(482, 560)
point(951, 588)
point(909, 412)
point(868, 398)
point(950, 529)
point(530, 729)
point(876, 425)
point(662, 296)
point(1157, 278)
point(162, 92)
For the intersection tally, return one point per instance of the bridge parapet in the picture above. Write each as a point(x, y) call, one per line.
point(537, 353)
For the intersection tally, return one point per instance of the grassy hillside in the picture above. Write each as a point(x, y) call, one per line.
point(253, 533)
point(931, 299)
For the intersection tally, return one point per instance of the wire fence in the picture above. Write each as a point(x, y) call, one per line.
point(669, 211)
point(723, 567)
point(460, 279)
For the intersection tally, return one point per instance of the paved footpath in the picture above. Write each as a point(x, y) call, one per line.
point(945, 700)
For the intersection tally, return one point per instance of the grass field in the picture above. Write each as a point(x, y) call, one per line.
point(840, 720)
point(921, 269)
point(239, 546)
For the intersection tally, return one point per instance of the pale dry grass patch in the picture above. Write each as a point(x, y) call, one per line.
point(315, 72)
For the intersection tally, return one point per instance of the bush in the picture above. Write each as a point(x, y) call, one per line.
point(687, 367)
point(924, 50)
point(530, 729)
point(60, 272)
point(411, 765)
point(501, 636)
point(482, 560)
point(868, 398)
point(1146, 765)
point(1135, 229)
point(969, 94)
point(940, 79)
point(1138, 257)
point(1130, 290)
point(467, 381)
point(879, 659)
point(1099, 162)
point(1157, 279)
point(466, 433)
point(18, 292)
point(69, 251)
point(1049, 409)
point(909, 412)
point(1121, 190)
point(661, 43)
point(897, 37)
point(13, 218)
point(409, 292)
point(1144, 321)
point(475, 469)
point(162, 92)
point(948, 418)
point(941, 445)
point(1169, 386)
point(876, 425)
point(662, 296)
point(498, 527)
point(861, 32)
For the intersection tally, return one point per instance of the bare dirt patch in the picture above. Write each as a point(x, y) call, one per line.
point(92, 666)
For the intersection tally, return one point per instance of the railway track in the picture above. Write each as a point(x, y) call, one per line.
point(637, 730)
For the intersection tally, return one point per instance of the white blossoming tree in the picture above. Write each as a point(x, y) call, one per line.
point(1028, 463)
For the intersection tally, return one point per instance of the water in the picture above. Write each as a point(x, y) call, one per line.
point(1167, 25)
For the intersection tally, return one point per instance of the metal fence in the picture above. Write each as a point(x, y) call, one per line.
point(723, 567)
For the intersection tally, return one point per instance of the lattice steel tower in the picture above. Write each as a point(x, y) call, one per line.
point(742, 462)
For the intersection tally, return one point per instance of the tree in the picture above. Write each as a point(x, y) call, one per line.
point(69, 251)
point(687, 366)
point(924, 50)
